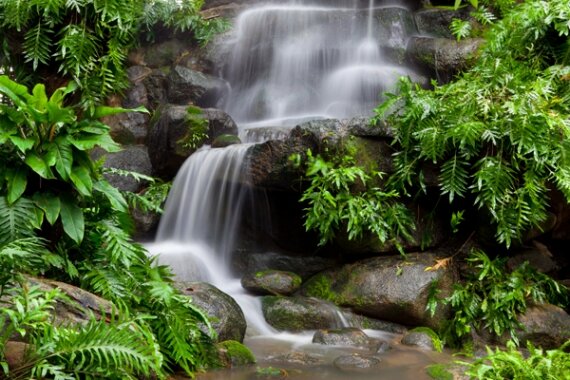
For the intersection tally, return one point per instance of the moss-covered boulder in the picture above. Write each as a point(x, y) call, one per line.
point(299, 313)
point(225, 140)
point(234, 354)
point(388, 288)
point(272, 282)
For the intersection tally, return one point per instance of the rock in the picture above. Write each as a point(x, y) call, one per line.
point(436, 21)
point(272, 282)
point(297, 358)
point(156, 85)
point(538, 258)
point(299, 313)
point(225, 140)
point(15, 354)
point(128, 128)
point(352, 337)
point(545, 326)
point(362, 127)
point(78, 307)
point(234, 354)
point(186, 86)
point(356, 363)
point(161, 54)
point(169, 129)
point(227, 317)
point(270, 165)
point(445, 56)
point(132, 158)
point(418, 339)
point(387, 288)
point(146, 224)
point(363, 322)
point(304, 266)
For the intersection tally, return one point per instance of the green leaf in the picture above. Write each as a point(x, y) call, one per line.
point(103, 111)
point(113, 195)
point(14, 91)
point(22, 143)
point(38, 165)
point(50, 204)
point(72, 220)
point(17, 181)
point(61, 149)
point(81, 178)
point(89, 141)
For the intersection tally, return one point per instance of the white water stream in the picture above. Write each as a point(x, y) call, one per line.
point(289, 62)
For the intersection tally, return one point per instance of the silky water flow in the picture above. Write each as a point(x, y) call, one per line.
point(289, 62)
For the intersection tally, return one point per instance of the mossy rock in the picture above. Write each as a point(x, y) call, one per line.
point(234, 354)
point(272, 282)
point(439, 372)
point(225, 140)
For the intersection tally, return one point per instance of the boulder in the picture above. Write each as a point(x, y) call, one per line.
point(545, 326)
point(444, 55)
point(387, 288)
point(161, 54)
point(304, 266)
point(169, 129)
point(272, 282)
point(299, 313)
point(225, 140)
point(15, 354)
point(77, 308)
point(352, 337)
point(186, 86)
point(418, 339)
point(234, 354)
point(297, 358)
point(356, 363)
point(435, 21)
point(226, 316)
point(132, 158)
point(538, 257)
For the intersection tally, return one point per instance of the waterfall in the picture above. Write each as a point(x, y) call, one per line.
point(289, 62)
point(294, 62)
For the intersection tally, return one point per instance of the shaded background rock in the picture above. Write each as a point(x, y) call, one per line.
point(132, 158)
point(271, 282)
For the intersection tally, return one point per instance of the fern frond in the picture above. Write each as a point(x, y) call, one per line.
point(494, 182)
point(454, 178)
point(37, 44)
point(18, 220)
point(117, 244)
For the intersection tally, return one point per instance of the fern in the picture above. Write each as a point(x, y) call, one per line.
point(37, 45)
point(18, 220)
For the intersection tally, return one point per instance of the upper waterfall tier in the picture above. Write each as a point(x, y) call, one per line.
point(295, 61)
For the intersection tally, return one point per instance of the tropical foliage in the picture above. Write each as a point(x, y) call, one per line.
point(492, 298)
point(87, 41)
point(343, 196)
point(512, 364)
point(59, 216)
point(499, 132)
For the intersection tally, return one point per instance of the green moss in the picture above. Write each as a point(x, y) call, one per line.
point(225, 140)
point(437, 343)
point(269, 372)
point(439, 372)
point(236, 353)
point(320, 286)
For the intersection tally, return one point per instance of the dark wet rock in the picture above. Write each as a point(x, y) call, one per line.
point(352, 337)
point(387, 288)
point(364, 322)
point(418, 339)
point(299, 313)
point(158, 55)
point(363, 127)
point(436, 21)
point(225, 140)
point(304, 266)
point(356, 363)
point(146, 224)
point(186, 86)
point(442, 54)
point(169, 130)
point(538, 257)
point(234, 354)
point(227, 317)
point(545, 326)
point(272, 282)
point(132, 158)
point(156, 84)
point(297, 358)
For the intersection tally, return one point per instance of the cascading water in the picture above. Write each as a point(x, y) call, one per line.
point(289, 62)
point(293, 62)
